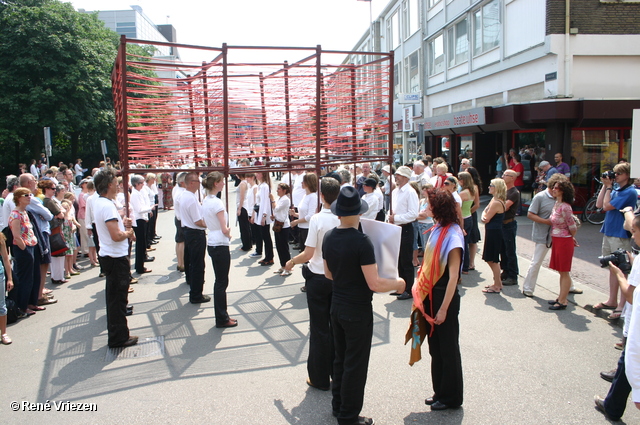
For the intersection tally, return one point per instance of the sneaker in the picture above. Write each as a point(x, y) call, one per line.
point(255, 254)
point(526, 293)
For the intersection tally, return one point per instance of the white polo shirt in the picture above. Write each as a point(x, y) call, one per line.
point(319, 224)
point(190, 210)
point(104, 211)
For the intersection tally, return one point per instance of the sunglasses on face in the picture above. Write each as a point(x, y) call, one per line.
point(447, 183)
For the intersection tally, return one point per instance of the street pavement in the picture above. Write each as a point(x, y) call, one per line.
point(523, 364)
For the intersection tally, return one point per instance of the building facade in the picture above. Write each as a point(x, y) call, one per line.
point(540, 77)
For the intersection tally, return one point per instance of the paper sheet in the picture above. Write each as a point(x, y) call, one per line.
point(386, 244)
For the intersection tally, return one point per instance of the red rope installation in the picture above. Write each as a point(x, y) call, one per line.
point(316, 112)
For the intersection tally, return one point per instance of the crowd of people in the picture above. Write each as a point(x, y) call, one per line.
point(53, 216)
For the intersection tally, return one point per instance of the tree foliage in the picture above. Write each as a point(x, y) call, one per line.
point(56, 65)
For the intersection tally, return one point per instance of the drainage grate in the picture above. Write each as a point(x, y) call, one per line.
point(149, 347)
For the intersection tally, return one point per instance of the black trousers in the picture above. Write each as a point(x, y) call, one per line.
point(151, 225)
point(141, 244)
point(116, 297)
point(195, 246)
point(321, 354)
point(282, 245)
point(265, 232)
point(444, 348)
point(24, 266)
point(96, 242)
point(302, 237)
point(405, 257)
point(256, 235)
point(352, 333)
point(245, 229)
point(221, 259)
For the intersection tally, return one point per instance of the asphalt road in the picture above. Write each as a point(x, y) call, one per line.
point(523, 364)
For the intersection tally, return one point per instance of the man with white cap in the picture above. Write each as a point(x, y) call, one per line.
point(404, 211)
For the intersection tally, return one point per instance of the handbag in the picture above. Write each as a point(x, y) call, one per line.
point(277, 225)
point(57, 244)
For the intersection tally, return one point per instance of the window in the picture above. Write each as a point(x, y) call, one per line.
point(412, 72)
point(486, 23)
point(457, 43)
point(433, 3)
point(396, 79)
point(411, 17)
point(436, 55)
point(395, 28)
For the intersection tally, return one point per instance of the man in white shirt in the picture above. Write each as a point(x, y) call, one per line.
point(177, 191)
point(34, 169)
point(418, 174)
point(114, 234)
point(195, 239)
point(405, 203)
point(141, 209)
point(319, 289)
point(79, 171)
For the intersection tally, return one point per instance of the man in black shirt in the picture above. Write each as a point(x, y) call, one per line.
point(350, 262)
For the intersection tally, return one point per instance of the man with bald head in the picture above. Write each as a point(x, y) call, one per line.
point(418, 174)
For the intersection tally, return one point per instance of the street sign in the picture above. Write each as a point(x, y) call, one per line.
point(409, 98)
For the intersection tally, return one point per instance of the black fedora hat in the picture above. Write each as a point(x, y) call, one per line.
point(348, 203)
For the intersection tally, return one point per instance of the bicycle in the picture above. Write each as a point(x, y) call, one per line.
point(592, 213)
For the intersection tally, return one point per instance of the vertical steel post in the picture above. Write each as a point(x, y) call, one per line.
point(225, 114)
point(124, 131)
point(264, 113)
point(205, 100)
point(390, 152)
point(318, 107)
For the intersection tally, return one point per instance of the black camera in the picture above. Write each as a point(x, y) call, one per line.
point(609, 175)
point(618, 258)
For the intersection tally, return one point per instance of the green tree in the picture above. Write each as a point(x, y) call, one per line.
point(56, 72)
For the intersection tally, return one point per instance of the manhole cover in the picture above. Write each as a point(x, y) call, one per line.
point(149, 347)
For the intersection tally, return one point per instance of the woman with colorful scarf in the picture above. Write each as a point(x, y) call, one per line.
point(436, 303)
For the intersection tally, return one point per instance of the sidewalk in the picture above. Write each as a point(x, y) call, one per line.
point(523, 363)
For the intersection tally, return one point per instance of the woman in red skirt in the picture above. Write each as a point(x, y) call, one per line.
point(563, 231)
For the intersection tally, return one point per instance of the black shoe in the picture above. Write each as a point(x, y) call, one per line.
point(149, 259)
point(509, 281)
point(154, 242)
point(405, 296)
point(231, 323)
point(129, 310)
point(429, 401)
point(311, 384)
point(437, 405)
point(133, 340)
point(157, 237)
point(599, 401)
point(203, 299)
point(364, 421)
point(608, 375)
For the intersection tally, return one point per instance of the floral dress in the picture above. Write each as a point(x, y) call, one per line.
point(69, 239)
point(167, 187)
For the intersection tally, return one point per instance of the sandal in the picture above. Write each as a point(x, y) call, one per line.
point(490, 291)
point(5, 339)
point(280, 270)
point(603, 306)
point(558, 306)
point(285, 273)
point(615, 315)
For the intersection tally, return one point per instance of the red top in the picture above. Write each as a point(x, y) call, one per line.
point(519, 168)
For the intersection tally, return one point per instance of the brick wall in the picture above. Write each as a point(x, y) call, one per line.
point(594, 17)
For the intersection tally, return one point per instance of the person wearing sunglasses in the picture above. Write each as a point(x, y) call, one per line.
point(617, 193)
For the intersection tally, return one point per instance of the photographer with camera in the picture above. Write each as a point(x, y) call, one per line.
point(616, 194)
point(627, 375)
